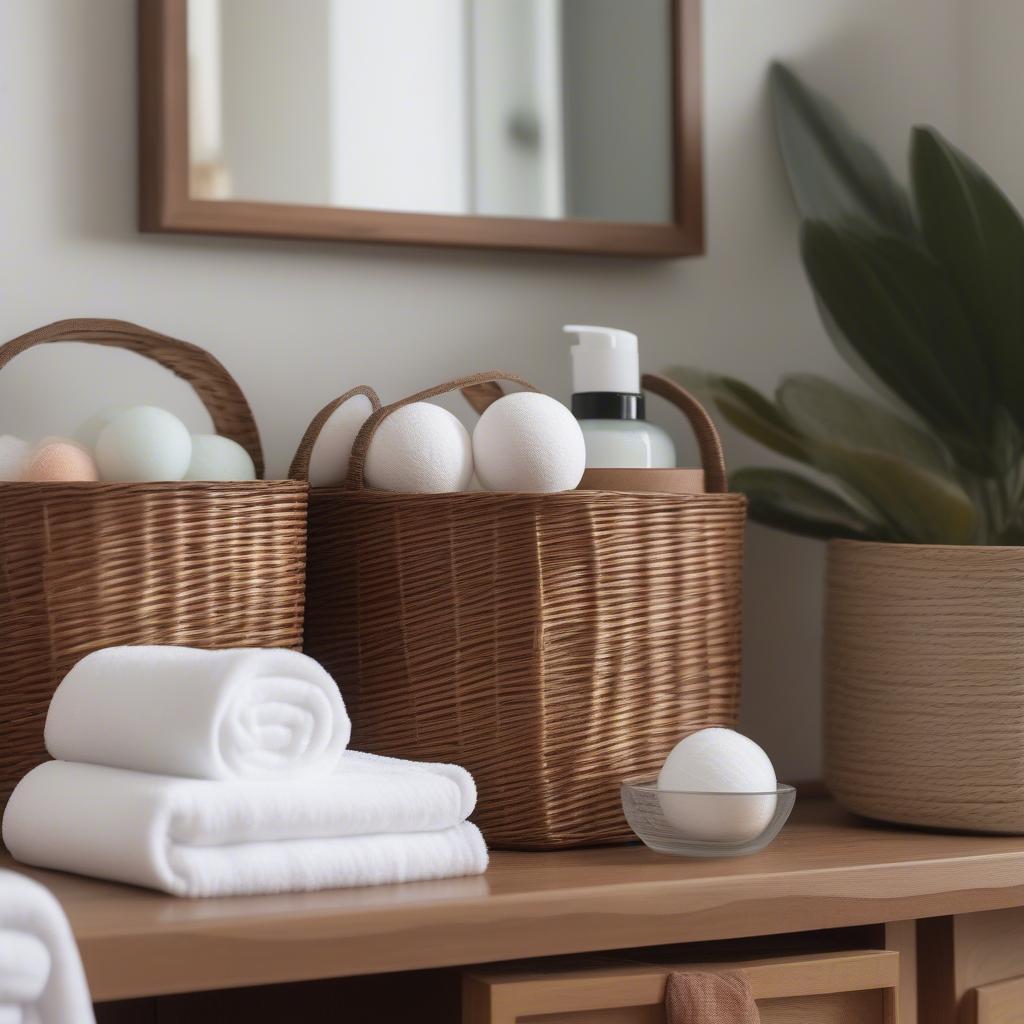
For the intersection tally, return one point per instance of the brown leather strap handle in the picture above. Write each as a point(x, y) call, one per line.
point(300, 464)
point(217, 390)
point(354, 480)
point(480, 396)
point(709, 444)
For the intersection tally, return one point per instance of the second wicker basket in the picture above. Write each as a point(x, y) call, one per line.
point(552, 643)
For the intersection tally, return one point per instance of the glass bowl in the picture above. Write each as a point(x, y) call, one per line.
point(705, 824)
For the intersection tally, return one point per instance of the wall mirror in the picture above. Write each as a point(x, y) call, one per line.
point(569, 125)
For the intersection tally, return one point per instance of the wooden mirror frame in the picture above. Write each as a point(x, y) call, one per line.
point(165, 203)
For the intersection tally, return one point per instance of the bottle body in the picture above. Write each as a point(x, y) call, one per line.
point(622, 444)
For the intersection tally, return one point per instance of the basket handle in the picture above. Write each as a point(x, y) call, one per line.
point(300, 464)
point(354, 480)
point(709, 444)
point(480, 396)
point(217, 389)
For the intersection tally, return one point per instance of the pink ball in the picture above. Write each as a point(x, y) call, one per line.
point(55, 460)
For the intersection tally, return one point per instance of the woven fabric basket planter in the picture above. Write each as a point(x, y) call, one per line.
point(554, 644)
point(924, 670)
point(91, 565)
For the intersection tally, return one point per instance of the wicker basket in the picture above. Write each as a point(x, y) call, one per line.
point(924, 670)
point(551, 643)
point(90, 565)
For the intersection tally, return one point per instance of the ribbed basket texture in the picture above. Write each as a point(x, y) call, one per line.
point(924, 666)
point(90, 565)
point(554, 644)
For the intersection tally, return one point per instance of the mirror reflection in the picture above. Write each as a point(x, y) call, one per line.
point(557, 109)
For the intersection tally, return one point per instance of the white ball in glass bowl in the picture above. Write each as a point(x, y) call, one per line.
point(717, 761)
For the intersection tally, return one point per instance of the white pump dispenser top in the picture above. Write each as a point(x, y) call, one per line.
point(605, 359)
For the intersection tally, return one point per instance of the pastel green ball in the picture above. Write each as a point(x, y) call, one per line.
point(143, 443)
point(219, 458)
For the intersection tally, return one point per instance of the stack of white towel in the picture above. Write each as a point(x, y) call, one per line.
point(214, 773)
point(41, 979)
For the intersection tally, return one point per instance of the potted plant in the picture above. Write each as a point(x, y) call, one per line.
point(920, 491)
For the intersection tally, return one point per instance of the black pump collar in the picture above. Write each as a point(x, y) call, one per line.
point(607, 405)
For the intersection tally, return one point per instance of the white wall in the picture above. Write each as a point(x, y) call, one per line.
point(993, 84)
point(300, 322)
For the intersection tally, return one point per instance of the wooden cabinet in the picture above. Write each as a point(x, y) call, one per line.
point(828, 988)
point(971, 968)
point(949, 909)
point(1002, 1002)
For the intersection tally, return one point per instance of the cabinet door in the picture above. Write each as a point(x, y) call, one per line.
point(831, 988)
point(1002, 1002)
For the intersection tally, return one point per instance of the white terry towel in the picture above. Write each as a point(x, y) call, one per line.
point(374, 820)
point(41, 977)
point(233, 714)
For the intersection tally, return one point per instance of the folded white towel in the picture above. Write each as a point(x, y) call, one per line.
point(41, 977)
point(234, 714)
point(374, 820)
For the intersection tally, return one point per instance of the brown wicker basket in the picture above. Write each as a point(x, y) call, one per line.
point(924, 683)
point(552, 643)
point(90, 565)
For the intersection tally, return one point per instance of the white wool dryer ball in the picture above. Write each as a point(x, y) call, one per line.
point(13, 455)
point(328, 462)
point(713, 761)
point(420, 448)
point(528, 442)
point(144, 443)
point(219, 458)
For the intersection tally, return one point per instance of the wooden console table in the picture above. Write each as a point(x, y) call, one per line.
point(949, 906)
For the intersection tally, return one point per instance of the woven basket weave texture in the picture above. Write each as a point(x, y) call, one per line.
point(924, 668)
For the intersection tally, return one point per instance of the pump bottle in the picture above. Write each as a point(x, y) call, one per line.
point(609, 404)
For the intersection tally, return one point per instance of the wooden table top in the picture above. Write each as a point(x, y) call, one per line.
point(827, 869)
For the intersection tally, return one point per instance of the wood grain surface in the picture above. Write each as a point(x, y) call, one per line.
point(827, 869)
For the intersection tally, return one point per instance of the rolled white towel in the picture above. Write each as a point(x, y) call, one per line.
point(232, 714)
point(41, 977)
point(374, 820)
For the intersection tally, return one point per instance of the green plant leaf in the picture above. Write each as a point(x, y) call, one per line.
point(834, 173)
point(896, 308)
point(918, 505)
point(750, 411)
point(788, 501)
point(977, 235)
point(825, 411)
point(746, 409)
